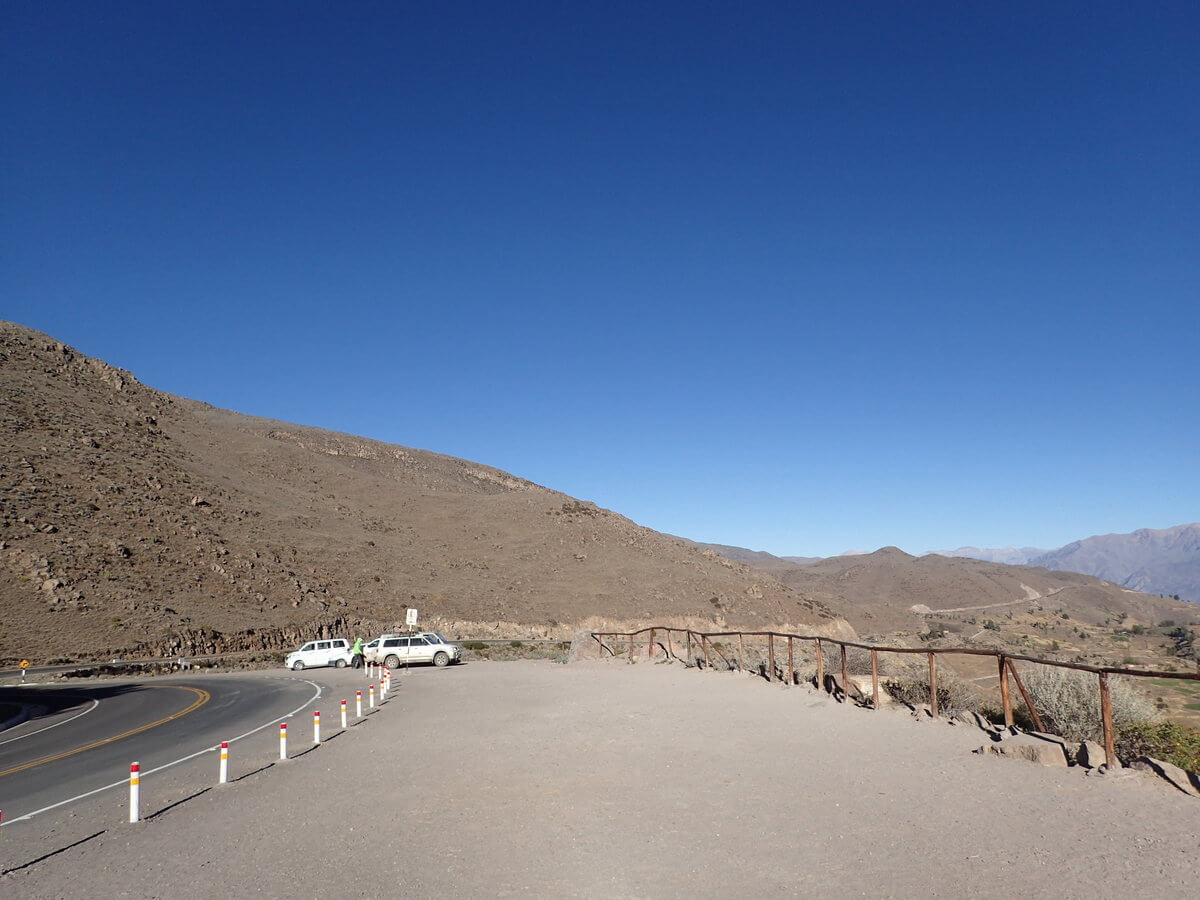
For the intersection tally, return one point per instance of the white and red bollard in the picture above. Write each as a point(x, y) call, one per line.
point(135, 791)
point(358, 704)
point(223, 775)
point(371, 696)
point(343, 714)
point(316, 727)
point(283, 740)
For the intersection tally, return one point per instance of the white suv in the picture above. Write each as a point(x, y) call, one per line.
point(395, 650)
point(320, 653)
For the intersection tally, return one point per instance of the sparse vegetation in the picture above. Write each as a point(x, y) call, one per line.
point(1069, 702)
point(1170, 741)
point(954, 694)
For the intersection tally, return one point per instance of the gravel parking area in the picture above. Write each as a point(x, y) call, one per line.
point(647, 780)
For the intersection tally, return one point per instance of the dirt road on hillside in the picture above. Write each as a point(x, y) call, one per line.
point(609, 779)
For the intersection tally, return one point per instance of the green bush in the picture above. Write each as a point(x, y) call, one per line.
point(474, 645)
point(1169, 741)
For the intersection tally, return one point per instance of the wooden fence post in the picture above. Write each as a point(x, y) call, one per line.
point(771, 657)
point(689, 647)
point(1037, 720)
point(631, 646)
point(670, 645)
point(707, 658)
point(933, 704)
point(1110, 750)
point(820, 667)
point(741, 652)
point(874, 679)
point(1005, 696)
point(845, 675)
point(650, 647)
point(791, 663)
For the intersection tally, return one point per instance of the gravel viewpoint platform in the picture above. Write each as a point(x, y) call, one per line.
point(617, 780)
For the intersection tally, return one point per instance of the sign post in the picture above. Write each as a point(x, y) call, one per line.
point(25, 663)
point(410, 619)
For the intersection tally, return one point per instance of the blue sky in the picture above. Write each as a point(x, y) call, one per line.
point(795, 277)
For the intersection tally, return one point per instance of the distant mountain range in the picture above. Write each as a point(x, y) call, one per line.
point(890, 591)
point(1156, 561)
point(1151, 561)
point(1010, 556)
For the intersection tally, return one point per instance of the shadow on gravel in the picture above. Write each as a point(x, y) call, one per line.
point(254, 772)
point(45, 856)
point(199, 793)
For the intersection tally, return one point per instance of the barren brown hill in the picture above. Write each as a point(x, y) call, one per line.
point(135, 521)
point(937, 601)
point(892, 592)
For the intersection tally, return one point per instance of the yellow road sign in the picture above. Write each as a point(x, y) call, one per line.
point(24, 664)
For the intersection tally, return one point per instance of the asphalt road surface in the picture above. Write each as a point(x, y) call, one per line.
point(80, 739)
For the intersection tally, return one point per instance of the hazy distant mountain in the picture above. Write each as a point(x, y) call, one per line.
point(1012, 556)
point(1157, 561)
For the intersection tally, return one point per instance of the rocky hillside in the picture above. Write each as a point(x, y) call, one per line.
point(132, 521)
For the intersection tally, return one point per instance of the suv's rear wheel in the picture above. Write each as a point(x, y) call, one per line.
point(341, 664)
point(441, 658)
point(392, 661)
point(297, 665)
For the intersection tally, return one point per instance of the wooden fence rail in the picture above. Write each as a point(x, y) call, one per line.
point(1006, 670)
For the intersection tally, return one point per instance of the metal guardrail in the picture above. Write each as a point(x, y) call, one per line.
point(1004, 665)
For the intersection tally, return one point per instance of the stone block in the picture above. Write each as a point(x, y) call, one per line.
point(1091, 755)
point(1186, 782)
point(1029, 748)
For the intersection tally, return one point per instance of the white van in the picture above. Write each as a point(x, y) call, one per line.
point(395, 650)
point(334, 652)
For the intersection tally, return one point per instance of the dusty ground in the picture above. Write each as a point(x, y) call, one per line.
point(609, 779)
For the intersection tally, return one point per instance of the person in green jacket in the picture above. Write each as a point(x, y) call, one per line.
point(356, 654)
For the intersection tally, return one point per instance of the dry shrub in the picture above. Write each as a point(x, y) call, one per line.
point(911, 686)
point(1069, 702)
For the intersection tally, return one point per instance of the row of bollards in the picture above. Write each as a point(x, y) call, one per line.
point(135, 769)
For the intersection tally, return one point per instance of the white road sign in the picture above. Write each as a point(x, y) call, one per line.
point(411, 617)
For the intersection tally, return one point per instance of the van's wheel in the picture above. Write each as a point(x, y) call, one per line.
point(392, 662)
point(341, 664)
point(441, 658)
point(297, 666)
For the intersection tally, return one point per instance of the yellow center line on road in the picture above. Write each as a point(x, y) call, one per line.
point(202, 697)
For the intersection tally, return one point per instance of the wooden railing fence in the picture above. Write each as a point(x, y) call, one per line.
point(700, 647)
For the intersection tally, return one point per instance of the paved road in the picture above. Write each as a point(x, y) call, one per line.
point(82, 738)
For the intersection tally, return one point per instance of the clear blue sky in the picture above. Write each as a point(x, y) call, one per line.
point(796, 277)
